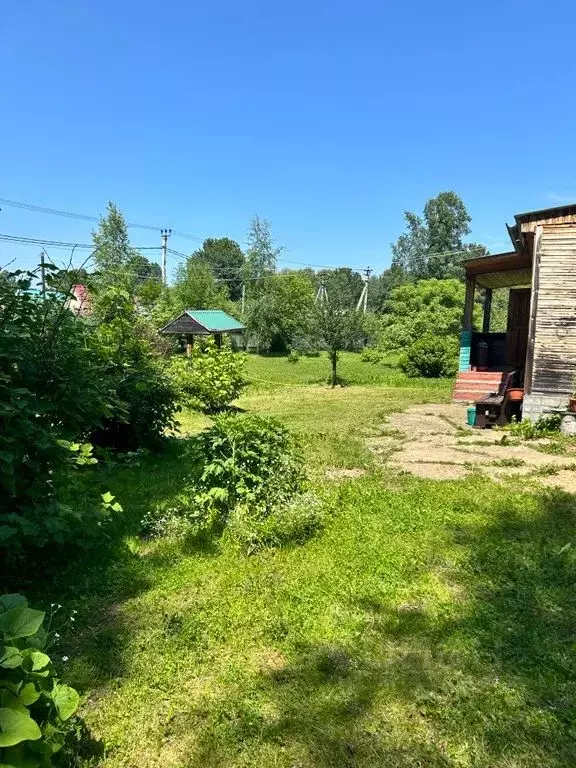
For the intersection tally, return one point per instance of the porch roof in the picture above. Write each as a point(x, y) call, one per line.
point(500, 270)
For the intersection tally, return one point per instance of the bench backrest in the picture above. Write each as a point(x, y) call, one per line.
point(506, 383)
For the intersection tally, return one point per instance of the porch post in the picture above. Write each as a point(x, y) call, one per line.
point(469, 303)
point(487, 310)
point(466, 335)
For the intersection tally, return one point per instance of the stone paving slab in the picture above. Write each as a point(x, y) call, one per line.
point(431, 443)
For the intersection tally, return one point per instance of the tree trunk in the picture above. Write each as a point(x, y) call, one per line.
point(334, 360)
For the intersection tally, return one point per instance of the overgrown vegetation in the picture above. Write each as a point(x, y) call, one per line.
point(430, 357)
point(245, 466)
point(211, 378)
point(35, 706)
point(544, 426)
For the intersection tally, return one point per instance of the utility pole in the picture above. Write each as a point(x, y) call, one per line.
point(321, 295)
point(43, 272)
point(165, 235)
point(363, 300)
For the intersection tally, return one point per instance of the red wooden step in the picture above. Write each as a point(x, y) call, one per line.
point(483, 375)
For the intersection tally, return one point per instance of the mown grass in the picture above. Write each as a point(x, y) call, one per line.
point(269, 369)
point(429, 623)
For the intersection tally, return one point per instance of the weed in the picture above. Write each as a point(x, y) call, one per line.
point(509, 462)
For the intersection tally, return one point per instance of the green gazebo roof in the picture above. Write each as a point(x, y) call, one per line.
point(202, 322)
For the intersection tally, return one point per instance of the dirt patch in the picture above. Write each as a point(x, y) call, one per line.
point(271, 661)
point(340, 474)
point(434, 441)
point(383, 444)
point(420, 424)
point(565, 479)
point(432, 471)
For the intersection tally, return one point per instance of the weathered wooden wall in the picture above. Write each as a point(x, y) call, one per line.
point(554, 331)
point(185, 324)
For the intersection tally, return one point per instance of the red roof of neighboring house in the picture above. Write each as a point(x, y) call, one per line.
point(81, 301)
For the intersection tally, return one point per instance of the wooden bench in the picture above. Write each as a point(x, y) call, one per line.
point(491, 410)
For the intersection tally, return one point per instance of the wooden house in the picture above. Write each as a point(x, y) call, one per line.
point(540, 339)
point(202, 322)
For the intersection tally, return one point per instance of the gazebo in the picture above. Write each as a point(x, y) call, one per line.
point(202, 322)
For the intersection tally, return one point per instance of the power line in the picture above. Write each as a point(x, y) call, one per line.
point(21, 240)
point(85, 217)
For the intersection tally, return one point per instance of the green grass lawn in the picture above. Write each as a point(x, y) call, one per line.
point(429, 624)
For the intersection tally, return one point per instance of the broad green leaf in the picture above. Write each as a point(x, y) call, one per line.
point(9, 701)
point(66, 700)
point(107, 497)
point(12, 601)
point(20, 622)
point(34, 660)
point(10, 657)
point(16, 727)
point(28, 694)
point(14, 687)
point(38, 640)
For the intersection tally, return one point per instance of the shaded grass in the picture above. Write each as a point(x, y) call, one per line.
point(432, 625)
point(429, 624)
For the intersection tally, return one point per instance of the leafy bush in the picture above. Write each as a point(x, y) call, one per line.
point(431, 357)
point(372, 355)
point(211, 378)
point(247, 458)
point(418, 309)
point(145, 404)
point(294, 356)
point(544, 426)
point(35, 707)
point(53, 391)
point(241, 460)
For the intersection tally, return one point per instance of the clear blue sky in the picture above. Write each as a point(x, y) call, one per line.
point(328, 118)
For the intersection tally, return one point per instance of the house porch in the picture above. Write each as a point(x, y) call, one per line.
point(486, 356)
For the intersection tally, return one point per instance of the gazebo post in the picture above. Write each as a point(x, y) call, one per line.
point(189, 344)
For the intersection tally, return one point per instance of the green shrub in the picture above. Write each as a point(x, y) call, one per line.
point(240, 460)
point(544, 426)
point(431, 356)
point(53, 391)
point(294, 356)
point(145, 399)
point(372, 355)
point(211, 378)
point(35, 707)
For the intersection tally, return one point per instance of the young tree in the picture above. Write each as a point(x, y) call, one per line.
point(226, 260)
point(119, 265)
point(336, 330)
point(262, 254)
point(113, 256)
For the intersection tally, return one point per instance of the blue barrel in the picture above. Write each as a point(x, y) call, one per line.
point(471, 415)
